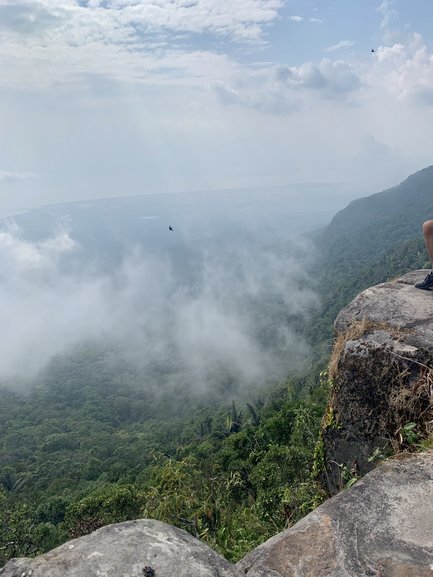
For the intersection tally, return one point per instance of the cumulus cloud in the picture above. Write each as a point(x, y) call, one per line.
point(296, 18)
point(405, 70)
point(280, 89)
point(233, 322)
point(334, 78)
point(268, 98)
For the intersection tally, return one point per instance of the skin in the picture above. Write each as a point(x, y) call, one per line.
point(427, 229)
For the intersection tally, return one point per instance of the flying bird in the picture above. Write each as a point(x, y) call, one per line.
point(373, 49)
point(170, 227)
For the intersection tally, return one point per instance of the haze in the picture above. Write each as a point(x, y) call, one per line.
point(118, 97)
point(218, 302)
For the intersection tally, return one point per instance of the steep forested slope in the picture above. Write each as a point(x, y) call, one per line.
point(382, 219)
point(371, 240)
point(75, 458)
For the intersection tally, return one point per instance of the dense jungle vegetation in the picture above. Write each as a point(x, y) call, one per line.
point(78, 457)
point(78, 451)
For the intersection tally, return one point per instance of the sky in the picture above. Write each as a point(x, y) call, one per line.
point(123, 97)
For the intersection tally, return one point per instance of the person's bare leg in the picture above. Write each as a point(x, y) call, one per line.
point(427, 229)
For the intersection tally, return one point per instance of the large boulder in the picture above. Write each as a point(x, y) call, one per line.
point(142, 548)
point(381, 527)
point(382, 384)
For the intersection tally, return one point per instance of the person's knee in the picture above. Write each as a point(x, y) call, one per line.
point(427, 228)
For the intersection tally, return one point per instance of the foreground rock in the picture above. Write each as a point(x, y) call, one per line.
point(382, 383)
point(143, 548)
point(381, 527)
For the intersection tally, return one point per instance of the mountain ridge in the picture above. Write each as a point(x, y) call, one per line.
point(372, 240)
point(370, 206)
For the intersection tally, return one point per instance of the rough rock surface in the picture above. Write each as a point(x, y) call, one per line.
point(397, 303)
point(381, 376)
point(142, 548)
point(381, 527)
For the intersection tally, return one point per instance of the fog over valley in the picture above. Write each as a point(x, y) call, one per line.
point(216, 304)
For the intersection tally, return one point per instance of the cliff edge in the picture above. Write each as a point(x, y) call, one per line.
point(382, 380)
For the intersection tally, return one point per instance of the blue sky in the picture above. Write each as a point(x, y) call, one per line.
point(114, 97)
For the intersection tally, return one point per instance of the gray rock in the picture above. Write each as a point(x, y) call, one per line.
point(381, 527)
point(142, 548)
point(398, 304)
point(381, 377)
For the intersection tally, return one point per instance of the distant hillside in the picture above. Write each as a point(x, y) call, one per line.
point(373, 239)
point(369, 226)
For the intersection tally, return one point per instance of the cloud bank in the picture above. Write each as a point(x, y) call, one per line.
point(126, 40)
point(238, 320)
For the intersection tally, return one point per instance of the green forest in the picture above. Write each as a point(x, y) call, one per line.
point(78, 457)
point(79, 451)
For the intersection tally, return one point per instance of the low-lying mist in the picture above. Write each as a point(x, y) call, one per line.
point(223, 316)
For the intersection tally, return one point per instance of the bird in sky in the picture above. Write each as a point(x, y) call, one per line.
point(373, 49)
point(170, 227)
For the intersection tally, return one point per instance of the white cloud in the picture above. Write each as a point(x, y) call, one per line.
point(388, 27)
point(282, 89)
point(22, 258)
point(44, 44)
point(268, 99)
point(296, 18)
point(142, 308)
point(388, 14)
point(125, 22)
point(340, 45)
point(405, 71)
